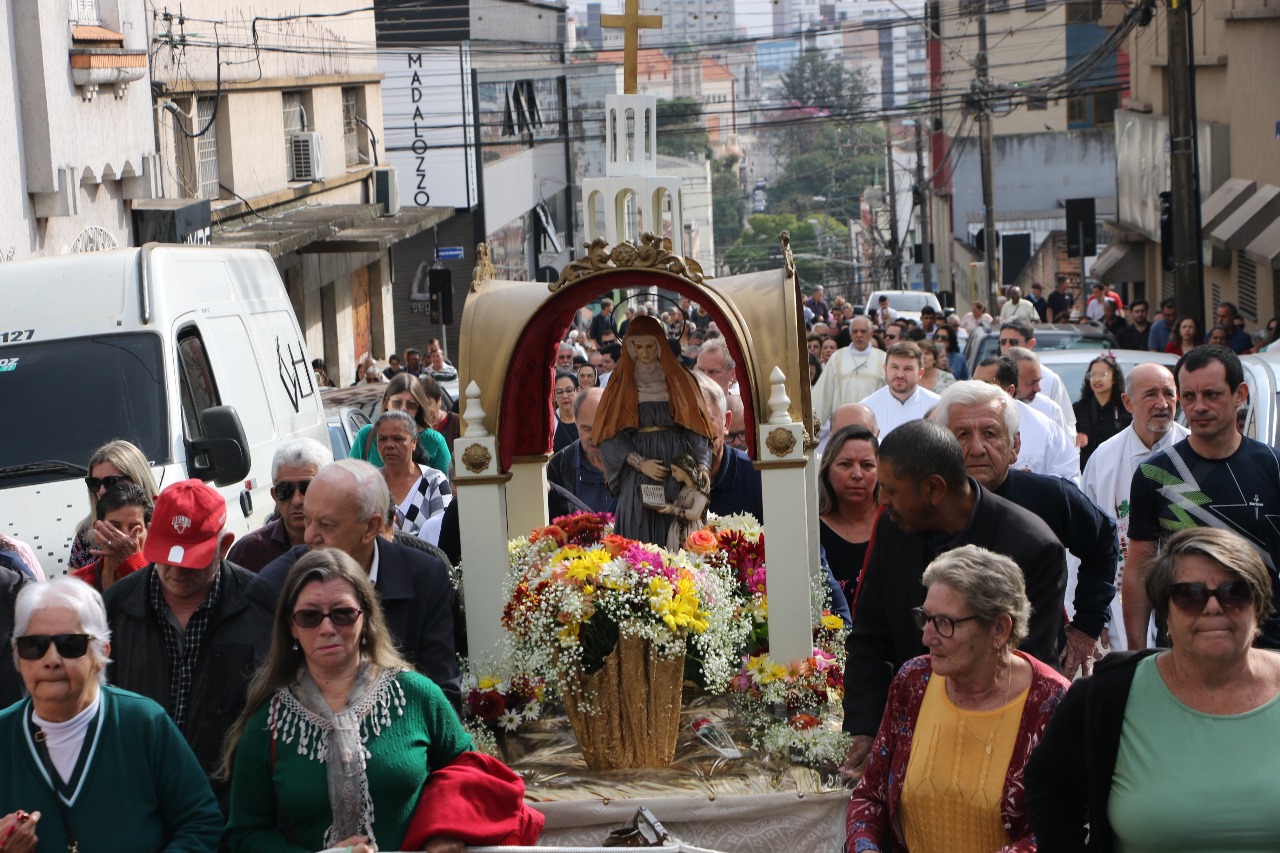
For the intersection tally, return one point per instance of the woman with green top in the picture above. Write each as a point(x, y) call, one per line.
point(85, 763)
point(339, 734)
point(405, 393)
point(1172, 749)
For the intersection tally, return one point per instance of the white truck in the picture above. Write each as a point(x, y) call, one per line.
point(193, 354)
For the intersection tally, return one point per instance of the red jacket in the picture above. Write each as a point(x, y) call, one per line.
point(90, 573)
point(873, 810)
point(475, 798)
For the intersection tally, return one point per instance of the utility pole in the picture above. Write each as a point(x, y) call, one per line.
point(983, 107)
point(895, 261)
point(922, 198)
point(1183, 185)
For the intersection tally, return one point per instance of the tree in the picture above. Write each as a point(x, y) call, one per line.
point(816, 83)
point(812, 240)
point(726, 200)
point(681, 130)
point(835, 165)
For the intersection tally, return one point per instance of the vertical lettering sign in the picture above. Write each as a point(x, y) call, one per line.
point(421, 197)
point(295, 373)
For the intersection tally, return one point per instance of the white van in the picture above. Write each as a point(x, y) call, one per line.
point(191, 353)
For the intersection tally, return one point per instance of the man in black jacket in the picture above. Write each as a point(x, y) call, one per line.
point(931, 506)
point(579, 468)
point(346, 508)
point(181, 628)
point(985, 421)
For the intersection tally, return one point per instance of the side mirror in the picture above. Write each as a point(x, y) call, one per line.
point(221, 453)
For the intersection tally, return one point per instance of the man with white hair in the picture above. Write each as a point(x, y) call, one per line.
point(1044, 447)
point(715, 361)
point(984, 419)
point(346, 507)
point(292, 468)
point(1030, 377)
point(181, 627)
point(1019, 333)
point(1151, 396)
point(1017, 308)
point(852, 374)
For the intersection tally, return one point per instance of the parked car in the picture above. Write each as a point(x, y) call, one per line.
point(1071, 364)
point(908, 303)
point(1048, 336)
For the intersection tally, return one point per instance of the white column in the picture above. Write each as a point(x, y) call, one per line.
point(482, 517)
point(789, 556)
point(527, 491)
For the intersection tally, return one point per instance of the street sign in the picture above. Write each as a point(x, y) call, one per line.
point(449, 253)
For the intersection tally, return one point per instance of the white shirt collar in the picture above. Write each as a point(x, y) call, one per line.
point(373, 567)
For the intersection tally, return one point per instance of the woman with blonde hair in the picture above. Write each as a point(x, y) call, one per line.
point(406, 393)
point(114, 462)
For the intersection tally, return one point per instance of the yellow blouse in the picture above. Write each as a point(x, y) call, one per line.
point(955, 776)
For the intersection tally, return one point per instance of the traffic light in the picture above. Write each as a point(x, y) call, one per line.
point(440, 288)
point(1166, 231)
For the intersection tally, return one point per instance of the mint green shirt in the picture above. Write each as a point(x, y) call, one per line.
point(1194, 782)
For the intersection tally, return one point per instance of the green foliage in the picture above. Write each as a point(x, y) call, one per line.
point(758, 247)
point(681, 130)
point(815, 82)
point(726, 200)
point(837, 164)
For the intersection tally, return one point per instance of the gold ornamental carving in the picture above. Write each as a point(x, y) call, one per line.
point(653, 253)
point(476, 458)
point(484, 270)
point(780, 441)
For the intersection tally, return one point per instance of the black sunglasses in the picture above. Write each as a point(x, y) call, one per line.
point(1191, 598)
point(95, 483)
point(341, 617)
point(944, 625)
point(285, 488)
point(35, 646)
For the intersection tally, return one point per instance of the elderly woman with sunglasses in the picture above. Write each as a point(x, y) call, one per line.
point(945, 771)
point(88, 763)
point(339, 734)
point(1181, 743)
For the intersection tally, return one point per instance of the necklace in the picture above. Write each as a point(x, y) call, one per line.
point(995, 732)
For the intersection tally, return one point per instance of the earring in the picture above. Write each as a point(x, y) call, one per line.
point(364, 640)
point(295, 645)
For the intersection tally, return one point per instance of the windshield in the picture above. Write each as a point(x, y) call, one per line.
point(67, 398)
point(904, 300)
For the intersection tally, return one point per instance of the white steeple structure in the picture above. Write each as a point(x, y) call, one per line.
point(632, 197)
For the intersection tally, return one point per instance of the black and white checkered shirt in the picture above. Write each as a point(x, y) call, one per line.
point(182, 647)
point(427, 499)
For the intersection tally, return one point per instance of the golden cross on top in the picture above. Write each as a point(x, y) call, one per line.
point(631, 21)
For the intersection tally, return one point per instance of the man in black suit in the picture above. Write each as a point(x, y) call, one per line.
point(931, 506)
point(346, 508)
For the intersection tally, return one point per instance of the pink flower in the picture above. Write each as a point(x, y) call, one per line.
point(646, 561)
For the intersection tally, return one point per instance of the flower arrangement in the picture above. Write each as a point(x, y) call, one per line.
point(787, 708)
point(493, 708)
point(575, 587)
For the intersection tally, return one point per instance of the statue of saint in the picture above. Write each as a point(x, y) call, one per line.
point(651, 412)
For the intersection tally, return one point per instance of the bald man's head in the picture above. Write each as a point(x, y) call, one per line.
point(854, 413)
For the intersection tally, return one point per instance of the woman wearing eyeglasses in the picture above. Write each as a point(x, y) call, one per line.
point(339, 734)
point(1182, 745)
point(85, 762)
point(112, 463)
point(566, 388)
point(405, 393)
point(1100, 414)
point(945, 772)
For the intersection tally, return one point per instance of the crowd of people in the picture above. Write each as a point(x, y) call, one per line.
point(1012, 593)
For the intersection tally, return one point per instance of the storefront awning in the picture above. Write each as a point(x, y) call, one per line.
point(1121, 262)
point(1250, 219)
point(328, 228)
point(1266, 248)
point(1225, 201)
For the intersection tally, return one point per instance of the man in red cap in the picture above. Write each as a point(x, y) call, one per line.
point(182, 629)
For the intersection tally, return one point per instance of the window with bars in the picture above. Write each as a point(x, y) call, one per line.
point(350, 128)
point(206, 150)
point(84, 11)
point(1247, 286)
point(295, 121)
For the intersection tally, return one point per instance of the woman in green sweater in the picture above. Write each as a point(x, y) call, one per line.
point(87, 763)
point(406, 393)
point(339, 734)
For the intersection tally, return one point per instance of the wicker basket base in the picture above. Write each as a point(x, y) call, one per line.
point(636, 717)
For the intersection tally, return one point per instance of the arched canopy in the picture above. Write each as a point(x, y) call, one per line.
point(511, 330)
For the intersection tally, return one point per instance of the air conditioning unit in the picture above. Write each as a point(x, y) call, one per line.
point(386, 190)
point(306, 161)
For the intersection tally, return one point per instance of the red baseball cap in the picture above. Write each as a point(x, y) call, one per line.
point(185, 525)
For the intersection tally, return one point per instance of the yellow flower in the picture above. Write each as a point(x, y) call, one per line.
point(678, 608)
point(568, 635)
point(488, 682)
point(832, 622)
